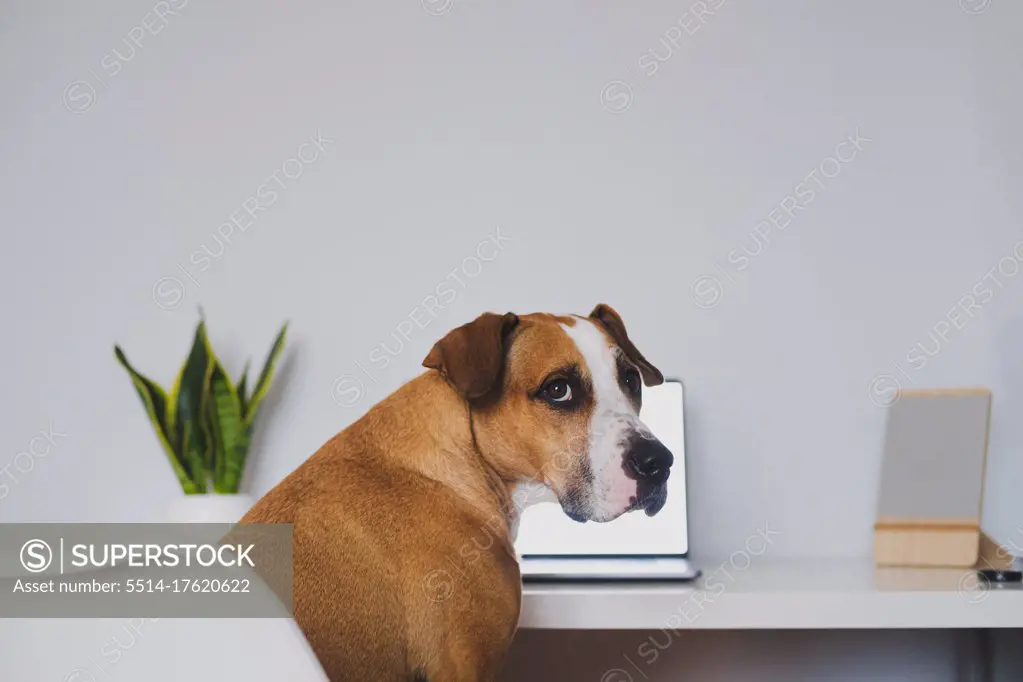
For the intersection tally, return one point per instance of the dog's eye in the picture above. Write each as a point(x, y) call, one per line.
point(632, 381)
point(558, 391)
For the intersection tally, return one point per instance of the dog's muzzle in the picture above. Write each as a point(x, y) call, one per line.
point(648, 462)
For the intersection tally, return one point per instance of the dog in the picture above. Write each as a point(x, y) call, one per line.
point(404, 522)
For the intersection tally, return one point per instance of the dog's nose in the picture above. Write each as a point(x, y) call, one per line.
point(649, 460)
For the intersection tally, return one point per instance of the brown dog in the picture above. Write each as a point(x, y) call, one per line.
point(404, 522)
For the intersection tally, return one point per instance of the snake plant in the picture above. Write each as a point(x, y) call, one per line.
point(205, 423)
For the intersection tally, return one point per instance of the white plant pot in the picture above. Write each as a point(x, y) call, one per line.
point(210, 508)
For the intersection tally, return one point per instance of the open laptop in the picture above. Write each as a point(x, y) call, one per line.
point(633, 546)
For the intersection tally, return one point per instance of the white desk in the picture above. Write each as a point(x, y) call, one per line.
point(789, 594)
point(792, 595)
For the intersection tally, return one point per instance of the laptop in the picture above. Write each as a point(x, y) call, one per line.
point(634, 546)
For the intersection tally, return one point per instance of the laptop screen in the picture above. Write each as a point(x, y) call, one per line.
point(545, 530)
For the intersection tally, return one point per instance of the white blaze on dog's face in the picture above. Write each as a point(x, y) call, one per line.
point(616, 435)
point(563, 411)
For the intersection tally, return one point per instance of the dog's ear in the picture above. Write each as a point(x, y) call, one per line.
point(471, 357)
point(606, 317)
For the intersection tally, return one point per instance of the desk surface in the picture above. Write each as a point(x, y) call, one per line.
point(758, 593)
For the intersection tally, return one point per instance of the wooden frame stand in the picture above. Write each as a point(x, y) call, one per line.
point(932, 480)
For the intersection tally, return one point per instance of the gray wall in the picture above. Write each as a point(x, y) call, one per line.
point(613, 176)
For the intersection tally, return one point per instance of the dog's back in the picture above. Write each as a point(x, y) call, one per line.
point(396, 576)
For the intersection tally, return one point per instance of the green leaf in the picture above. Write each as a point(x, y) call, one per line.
point(188, 401)
point(214, 441)
point(230, 431)
point(193, 454)
point(155, 402)
point(265, 377)
point(243, 397)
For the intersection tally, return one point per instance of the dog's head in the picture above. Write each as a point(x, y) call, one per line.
point(556, 400)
